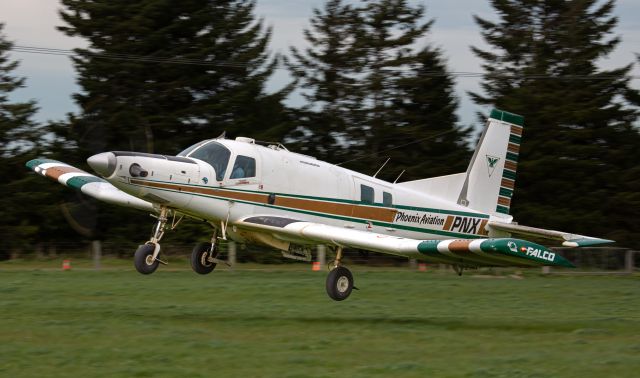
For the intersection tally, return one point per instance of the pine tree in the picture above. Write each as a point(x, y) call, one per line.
point(426, 115)
point(160, 75)
point(390, 29)
point(25, 204)
point(326, 72)
point(370, 91)
point(580, 148)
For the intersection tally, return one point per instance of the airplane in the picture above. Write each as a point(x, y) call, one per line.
point(267, 195)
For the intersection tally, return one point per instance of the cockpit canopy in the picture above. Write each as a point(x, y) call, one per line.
point(218, 157)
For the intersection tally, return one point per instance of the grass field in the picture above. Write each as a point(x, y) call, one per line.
point(280, 323)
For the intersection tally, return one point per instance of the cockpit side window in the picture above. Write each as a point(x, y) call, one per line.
point(243, 167)
point(215, 154)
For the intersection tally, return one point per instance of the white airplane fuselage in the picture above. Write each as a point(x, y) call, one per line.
point(294, 186)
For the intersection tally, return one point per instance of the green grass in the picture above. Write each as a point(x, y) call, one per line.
point(280, 323)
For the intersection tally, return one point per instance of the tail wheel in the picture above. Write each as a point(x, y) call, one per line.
point(200, 258)
point(143, 259)
point(339, 283)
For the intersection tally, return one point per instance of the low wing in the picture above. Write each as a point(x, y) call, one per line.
point(567, 239)
point(466, 252)
point(86, 183)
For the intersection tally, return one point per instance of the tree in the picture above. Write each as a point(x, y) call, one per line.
point(327, 72)
point(426, 114)
point(371, 91)
point(158, 76)
point(580, 144)
point(26, 205)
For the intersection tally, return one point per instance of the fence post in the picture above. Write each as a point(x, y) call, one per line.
point(413, 264)
point(628, 261)
point(96, 247)
point(231, 253)
point(322, 255)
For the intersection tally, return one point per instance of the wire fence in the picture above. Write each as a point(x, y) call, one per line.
point(587, 260)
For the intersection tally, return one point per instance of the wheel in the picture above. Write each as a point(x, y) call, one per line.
point(199, 263)
point(339, 283)
point(143, 259)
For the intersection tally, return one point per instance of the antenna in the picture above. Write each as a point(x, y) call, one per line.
point(398, 178)
point(385, 163)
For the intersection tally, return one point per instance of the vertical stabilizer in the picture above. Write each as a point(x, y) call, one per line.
point(490, 177)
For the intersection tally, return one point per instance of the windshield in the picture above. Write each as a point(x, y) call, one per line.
point(215, 154)
point(193, 147)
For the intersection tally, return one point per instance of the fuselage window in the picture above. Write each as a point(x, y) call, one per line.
point(387, 199)
point(244, 167)
point(367, 194)
point(215, 154)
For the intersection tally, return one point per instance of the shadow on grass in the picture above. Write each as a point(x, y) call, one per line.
point(481, 324)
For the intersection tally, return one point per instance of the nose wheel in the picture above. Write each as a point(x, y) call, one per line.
point(145, 259)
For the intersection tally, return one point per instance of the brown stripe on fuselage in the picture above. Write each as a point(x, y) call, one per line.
point(57, 171)
point(341, 209)
point(511, 165)
point(242, 196)
point(506, 183)
point(459, 246)
point(513, 148)
point(517, 130)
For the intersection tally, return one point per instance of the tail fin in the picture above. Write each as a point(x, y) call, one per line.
point(490, 177)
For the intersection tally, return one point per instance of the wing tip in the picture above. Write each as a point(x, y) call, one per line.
point(586, 242)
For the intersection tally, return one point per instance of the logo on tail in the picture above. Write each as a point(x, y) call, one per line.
point(492, 161)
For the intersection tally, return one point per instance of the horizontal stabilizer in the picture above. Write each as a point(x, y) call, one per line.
point(86, 183)
point(567, 239)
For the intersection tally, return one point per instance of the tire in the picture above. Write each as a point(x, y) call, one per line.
point(199, 256)
point(339, 283)
point(142, 259)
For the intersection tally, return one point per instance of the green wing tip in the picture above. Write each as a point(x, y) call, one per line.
point(594, 241)
point(32, 163)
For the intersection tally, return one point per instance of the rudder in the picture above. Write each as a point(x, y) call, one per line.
point(490, 178)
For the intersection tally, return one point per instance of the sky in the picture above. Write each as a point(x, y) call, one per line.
point(51, 80)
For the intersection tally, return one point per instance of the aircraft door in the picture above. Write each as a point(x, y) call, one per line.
point(244, 171)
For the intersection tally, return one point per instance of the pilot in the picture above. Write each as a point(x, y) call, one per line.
point(238, 172)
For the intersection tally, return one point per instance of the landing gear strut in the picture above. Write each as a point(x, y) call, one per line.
point(146, 258)
point(340, 280)
point(203, 256)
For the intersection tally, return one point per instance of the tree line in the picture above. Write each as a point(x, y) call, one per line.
point(158, 76)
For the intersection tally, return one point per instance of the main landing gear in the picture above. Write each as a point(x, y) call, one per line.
point(203, 256)
point(340, 280)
